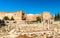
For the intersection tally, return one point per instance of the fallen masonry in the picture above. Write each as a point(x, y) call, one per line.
point(30, 30)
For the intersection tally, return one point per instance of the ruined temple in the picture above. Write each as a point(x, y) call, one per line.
point(45, 16)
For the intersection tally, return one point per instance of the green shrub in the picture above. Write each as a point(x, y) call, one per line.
point(5, 18)
point(38, 19)
point(12, 18)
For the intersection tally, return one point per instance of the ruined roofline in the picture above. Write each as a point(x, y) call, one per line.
point(23, 12)
point(46, 12)
point(13, 12)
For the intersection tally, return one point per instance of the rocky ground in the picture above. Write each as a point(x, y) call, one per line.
point(24, 30)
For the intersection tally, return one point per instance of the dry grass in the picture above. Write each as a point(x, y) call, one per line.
point(23, 36)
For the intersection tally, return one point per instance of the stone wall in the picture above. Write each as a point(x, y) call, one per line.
point(28, 17)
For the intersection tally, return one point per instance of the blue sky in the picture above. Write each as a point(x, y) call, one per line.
point(30, 6)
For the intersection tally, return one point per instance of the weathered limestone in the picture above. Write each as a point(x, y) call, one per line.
point(46, 17)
